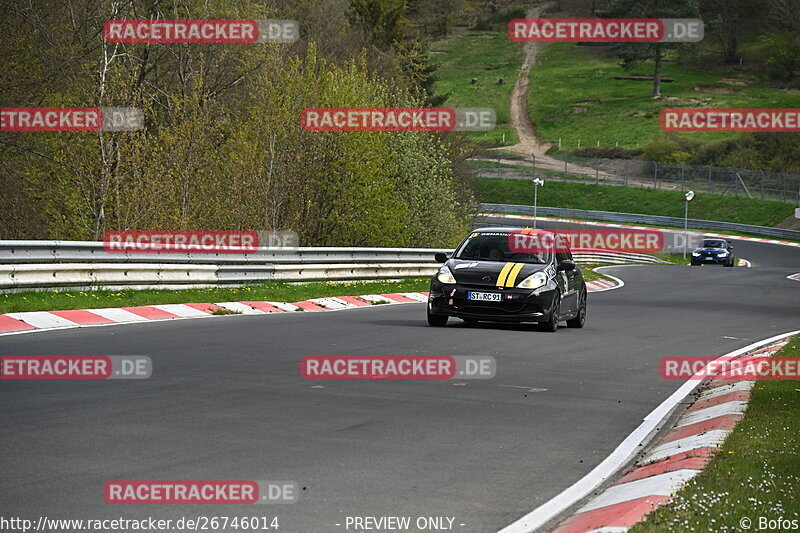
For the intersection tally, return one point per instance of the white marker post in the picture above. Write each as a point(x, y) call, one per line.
point(536, 183)
point(689, 195)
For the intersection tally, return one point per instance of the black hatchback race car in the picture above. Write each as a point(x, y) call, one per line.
point(714, 251)
point(494, 275)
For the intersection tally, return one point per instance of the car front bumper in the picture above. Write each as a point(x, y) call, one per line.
point(516, 305)
point(710, 260)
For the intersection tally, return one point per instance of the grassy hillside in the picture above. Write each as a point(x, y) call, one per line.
point(485, 56)
point(574, 96)
point(629, 200)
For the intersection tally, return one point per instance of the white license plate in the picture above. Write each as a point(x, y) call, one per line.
point(484, 296)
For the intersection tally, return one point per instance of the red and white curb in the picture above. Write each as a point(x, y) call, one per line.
point(601, 285)
point(12, 323)
point(794, 277)
point(612, 225)
point(666, 465)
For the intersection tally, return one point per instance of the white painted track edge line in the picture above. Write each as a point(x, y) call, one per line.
point(619, 282)
point(626, 450)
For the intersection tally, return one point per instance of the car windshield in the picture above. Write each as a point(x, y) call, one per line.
point(494, 247)
point(713, 244)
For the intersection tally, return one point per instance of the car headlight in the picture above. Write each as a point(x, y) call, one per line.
point(445, 276)
point(695, 254)
point(723, 253)
point(534, 281)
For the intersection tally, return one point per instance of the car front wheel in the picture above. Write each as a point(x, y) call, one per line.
point(552, 323)
point(580, 320)
point(436, 320)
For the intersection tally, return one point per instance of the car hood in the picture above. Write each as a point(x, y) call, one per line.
point(710, 250)
point(488, 273)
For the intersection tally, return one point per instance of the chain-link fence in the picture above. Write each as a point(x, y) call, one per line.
point(724, 181)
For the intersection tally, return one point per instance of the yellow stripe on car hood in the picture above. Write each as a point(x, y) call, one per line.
point(501, 279)
point(512, 276)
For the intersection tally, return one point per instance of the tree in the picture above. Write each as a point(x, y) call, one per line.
point(633, 54)
point(727, 19)
point(382, 20)
point(416, 65)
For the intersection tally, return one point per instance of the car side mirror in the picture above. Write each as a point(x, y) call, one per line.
point(440, 257)
point(566, 265)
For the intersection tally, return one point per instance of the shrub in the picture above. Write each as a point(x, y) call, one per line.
point(783, 61)
point(607, 152)
point(670, 149)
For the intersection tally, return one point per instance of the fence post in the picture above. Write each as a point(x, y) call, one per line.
point(683, 168)
point(499, 167)
point(783, 192)
point(710, 184)
point(762, 184)
point(655, 174)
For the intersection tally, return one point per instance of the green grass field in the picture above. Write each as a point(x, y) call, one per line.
point(276, 292)
point(573, 95)
point(630, 200)
point(485, 56)
point(755, 474)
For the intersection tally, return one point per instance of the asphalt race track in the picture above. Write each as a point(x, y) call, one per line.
point(226, 401)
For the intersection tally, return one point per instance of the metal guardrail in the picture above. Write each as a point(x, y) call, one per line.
point(44, 265)
point(656, 220)
point(93, 252)
point(54, 264)
point(615, 258)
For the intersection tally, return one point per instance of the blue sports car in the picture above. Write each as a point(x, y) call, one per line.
point(714, 252)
